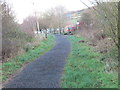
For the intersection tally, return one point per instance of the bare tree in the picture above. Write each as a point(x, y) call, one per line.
point(13, 39)
point(60, 14)
point(107, 13)
point(53, 18)
point(107, 17)
point(29, 25)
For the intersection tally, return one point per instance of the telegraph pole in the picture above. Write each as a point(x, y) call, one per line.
point(37, 22)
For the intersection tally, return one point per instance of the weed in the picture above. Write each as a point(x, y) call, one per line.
point(85, 70)
point(10, 67)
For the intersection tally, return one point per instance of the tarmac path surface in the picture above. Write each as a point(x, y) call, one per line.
point(46, 71)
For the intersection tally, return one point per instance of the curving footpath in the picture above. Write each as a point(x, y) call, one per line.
point(46, 71)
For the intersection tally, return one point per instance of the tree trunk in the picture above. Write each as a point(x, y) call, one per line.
point(118, 26)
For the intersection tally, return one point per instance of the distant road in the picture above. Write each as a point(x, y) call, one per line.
point(46, 71)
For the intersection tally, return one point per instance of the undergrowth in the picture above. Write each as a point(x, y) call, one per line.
point(10, 67)
point(85, 70)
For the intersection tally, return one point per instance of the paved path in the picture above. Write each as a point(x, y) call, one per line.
point(46, 71)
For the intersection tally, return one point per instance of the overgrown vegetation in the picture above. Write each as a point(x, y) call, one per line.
point(84, 69)
point(13, 39)
point(20, 44)
point(86, 66)
point(101, 22)
point(10, 67)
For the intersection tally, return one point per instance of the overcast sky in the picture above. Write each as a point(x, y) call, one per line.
point(24, 8)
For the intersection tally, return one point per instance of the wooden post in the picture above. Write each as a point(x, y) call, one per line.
point(46, 33)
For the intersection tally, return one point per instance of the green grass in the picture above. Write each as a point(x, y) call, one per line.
point(84, 69)
point(10, 67)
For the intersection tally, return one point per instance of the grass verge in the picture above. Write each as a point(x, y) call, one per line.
point(10, 67)
point(84, 69)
